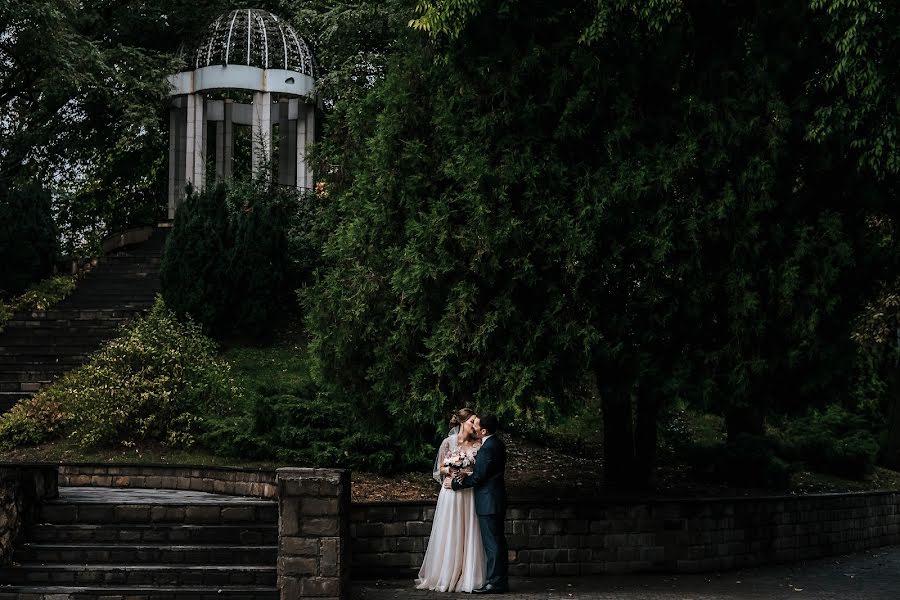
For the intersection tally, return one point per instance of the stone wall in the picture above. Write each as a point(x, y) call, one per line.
point(597, 537)
point(313, 529)
point(22, 488)
point(219, 480)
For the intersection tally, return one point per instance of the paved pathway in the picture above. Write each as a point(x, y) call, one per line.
point(106, 495)
point(873, 575)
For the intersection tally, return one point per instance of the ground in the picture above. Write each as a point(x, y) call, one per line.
point(533, 470)
point(872, 575)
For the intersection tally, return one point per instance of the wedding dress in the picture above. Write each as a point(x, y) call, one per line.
point(454, 560)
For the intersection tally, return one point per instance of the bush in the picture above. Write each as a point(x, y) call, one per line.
point(748, 461)
point(28, 241)
point(285, 417)
point(39, 296)
point(833, 441)
point(235, 256)
point(158, 382)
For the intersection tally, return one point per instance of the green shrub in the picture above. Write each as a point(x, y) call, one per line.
point(748, 461)
point(235, 257)
point(285, 417)
point(194, 269)
point(833, 441)
point(34, 421)
point(28, 241)
point(159, 381)
point(39, 296)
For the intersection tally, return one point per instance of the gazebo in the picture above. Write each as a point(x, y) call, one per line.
point(243, 52)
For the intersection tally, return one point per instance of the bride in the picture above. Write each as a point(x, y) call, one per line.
point(454, 561)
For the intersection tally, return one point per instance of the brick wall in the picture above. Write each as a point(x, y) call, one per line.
point(218, 480)
point(597, 537)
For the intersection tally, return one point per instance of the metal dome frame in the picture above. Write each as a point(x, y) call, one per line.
point(239, 56)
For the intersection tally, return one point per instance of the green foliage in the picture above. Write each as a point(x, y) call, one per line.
point(40, 296)
point(159, 381)
point(510, 215)
point(27, 236)
point(34, 421)
point(235, 256)
point(747, 461)
point(284, 417)
point(833, 441)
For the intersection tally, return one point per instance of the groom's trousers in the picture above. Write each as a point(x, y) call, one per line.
point(496, 554)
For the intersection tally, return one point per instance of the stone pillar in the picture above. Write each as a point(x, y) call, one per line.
point(310, 139)
point(313, 533)
point(287, 145)
point(228, 140)
point(261, 131)
point(195, 138)
point(301, 145)
point(174, 142)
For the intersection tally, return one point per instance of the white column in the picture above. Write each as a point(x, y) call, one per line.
point(261, 131)
point(310, 140)
point(174, 138)
point(189, 144)
point(301, 145)
point(200, 142)
point(228, 141)
point(195, 154)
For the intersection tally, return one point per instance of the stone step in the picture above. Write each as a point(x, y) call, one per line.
point(22, 386)
point(137, 593)
point(224, 513)
point(144, 574)
point(46, 349)
point(45, 373)
point(249, 534)
point(210, 554)
point(35, 359)
point(19, 339)
point(103, 322)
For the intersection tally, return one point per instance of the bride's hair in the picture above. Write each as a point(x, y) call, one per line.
point(461, 416)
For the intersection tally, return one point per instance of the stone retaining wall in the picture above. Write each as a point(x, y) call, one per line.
point(219, 480)
point(597, 537)
point(22, 488)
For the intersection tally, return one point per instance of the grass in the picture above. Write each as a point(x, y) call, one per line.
point(281, 369)
point(559, 455)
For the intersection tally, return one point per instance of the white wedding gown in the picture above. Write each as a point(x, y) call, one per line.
point(454, 560)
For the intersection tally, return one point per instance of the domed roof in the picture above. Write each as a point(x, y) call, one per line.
point(255, 38)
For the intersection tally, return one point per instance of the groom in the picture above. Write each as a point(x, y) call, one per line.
point(490, 503)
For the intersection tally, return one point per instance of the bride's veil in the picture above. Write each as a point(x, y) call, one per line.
point(449, 445)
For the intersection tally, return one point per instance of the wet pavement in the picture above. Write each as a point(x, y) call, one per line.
point(872, 575)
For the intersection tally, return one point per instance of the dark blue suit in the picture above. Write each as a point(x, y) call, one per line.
point(490, 506)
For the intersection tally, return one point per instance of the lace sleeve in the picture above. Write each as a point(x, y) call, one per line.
point(443, 452)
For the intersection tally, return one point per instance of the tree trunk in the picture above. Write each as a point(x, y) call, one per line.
point(643, 475)
point(618, 435)
point(890, 453)
point(744, 419)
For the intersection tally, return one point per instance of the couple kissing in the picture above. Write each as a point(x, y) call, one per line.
point(467, 549)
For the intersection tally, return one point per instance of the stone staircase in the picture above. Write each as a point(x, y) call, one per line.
point(36, 347)
point(126, 544)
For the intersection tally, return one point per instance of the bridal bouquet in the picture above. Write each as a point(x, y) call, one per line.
point(457, 460)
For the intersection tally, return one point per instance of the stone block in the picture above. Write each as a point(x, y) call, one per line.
point(311, 507)
point(289, 516)
point(297, 565)
point(320, 586)
point(299, 546)
point(329, 558)
point(418, 528)
point(319, 527)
